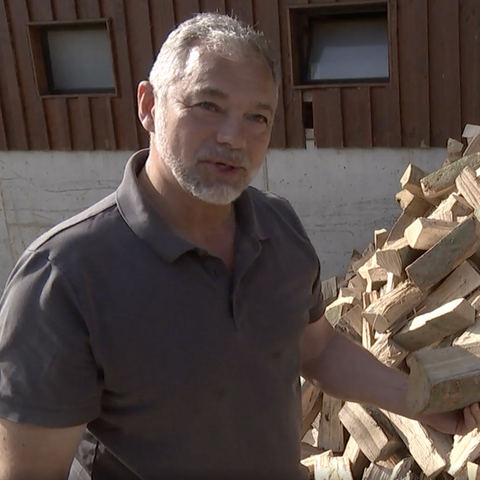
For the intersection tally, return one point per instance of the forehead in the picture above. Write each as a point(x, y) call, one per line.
point(247, 76)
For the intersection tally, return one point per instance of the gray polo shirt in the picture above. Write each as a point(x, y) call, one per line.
point(114, 320)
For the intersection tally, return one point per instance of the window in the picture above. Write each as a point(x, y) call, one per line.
point(73, 59)
point(340, 44)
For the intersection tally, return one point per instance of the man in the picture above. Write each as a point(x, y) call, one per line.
point(174, 317)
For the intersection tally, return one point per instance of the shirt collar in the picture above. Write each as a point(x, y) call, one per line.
point(149, 226)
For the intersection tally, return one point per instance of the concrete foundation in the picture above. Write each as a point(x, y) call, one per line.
point(341, 196)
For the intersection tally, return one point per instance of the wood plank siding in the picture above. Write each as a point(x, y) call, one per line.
point(432, 92)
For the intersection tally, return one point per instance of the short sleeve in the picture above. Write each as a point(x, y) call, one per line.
point(48, 374)
point(318, 304)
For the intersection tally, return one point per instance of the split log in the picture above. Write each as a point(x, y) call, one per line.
point(380, 237)
point(442, 181)
point(357, 282)
point(328, 467)
point(456, 247)
point(387, 351)
point(473, 471)
point(470, 131)
point(368, 335)
point(354, 318)
point(412, 204)
point(432, 327)
point(454, 150)
point(424, 233)
point(337, 309)
point(371, 430)
point(474, 300)
point(330, 433)
point(393, 307)
point(396, 256)
point(374, 472)
point(402, 469)
point(469, 187)
point(410, 180)
point(312, 399)
point(346, 292)
point(442, 380)
point(329, 290)
point(310, 461)
point(460, 283)
point(470, 339)
point(428, 447)
point(358, 461)
point(466, 448)
point(376, 278)
point(450, 209)
point(398, 230)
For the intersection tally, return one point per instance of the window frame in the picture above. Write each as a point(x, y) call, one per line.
point(37, 34)
point(298, 31)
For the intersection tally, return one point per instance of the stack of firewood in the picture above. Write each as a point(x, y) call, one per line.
point(413, 299)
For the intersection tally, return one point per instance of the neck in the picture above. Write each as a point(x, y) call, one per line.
point(179, 208)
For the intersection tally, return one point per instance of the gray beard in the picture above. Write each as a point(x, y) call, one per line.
point(191, 181)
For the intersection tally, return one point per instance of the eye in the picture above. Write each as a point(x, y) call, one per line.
point(208, 106)
point(259, 118)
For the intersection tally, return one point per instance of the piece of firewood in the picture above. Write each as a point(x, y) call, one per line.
point(337, 309)
point(474, 299)
point(307, 450)
point(345, 327)
point(393, 307)
point(328, 467)
point(330, 433)
point(446, 255)
point(357, 282)
point(402, 468)
point(396, 256)
point(345, 292)
point(450, 209)
point(398, 230)
point(410, 180)
point(387, 351)
point(374, 472)
point(470, 339)
point(473, 471)
point(412, 204)
point(434, 326)
point(376, 278)
point(380, 237)
point(329, 290)
point(473, 146)
point(312, 400)
point(424, 233)
point(442, 380)
point(358, 461)
point(428, 447)
point(470, 131)
point(442, 181)
point(368, 335)
point(354, 319)
point(371, 430)
point(309, 462)
point(469, 187)
point(454, 149)
point(466, 448)
point(460, 283)
point(366, 256)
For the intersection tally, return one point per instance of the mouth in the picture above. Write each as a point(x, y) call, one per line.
point(222, 166)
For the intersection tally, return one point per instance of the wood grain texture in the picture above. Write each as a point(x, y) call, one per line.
point(444, 67)
point(327, 118)
point(414, 72)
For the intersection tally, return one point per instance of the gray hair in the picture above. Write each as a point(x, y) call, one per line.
point(221, 34)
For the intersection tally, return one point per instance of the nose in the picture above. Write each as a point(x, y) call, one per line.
point(231, 132)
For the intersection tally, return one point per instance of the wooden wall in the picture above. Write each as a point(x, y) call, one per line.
point(433, 93)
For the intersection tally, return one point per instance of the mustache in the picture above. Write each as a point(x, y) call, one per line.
point(234, 157)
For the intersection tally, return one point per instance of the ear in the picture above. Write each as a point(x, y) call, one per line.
point(146, 106)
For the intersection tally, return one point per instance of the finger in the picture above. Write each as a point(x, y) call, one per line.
point(470, 419)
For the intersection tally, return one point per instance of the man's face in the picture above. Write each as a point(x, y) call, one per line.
point(213, 128)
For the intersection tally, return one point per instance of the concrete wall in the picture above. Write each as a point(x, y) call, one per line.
point(341, 196)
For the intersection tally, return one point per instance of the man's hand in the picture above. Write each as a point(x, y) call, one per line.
point(459, 422)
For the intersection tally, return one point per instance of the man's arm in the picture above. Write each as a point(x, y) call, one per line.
point(348, 371)
point(28, 451)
